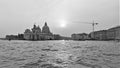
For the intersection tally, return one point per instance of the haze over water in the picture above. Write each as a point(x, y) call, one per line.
point(18, 15)
point(59, 54)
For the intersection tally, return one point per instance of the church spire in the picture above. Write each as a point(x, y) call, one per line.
point(45, 23)
point(34, 26)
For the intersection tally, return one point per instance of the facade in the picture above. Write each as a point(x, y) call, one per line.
point(113, 33)
point(99, 35)
point(117, 33)
point(15, 37)
point(110, 34)
point(57, 37)
point(82, 36)
point(37, 34)
point(11, 37)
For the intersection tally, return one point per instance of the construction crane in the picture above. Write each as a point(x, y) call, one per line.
point(93, 26)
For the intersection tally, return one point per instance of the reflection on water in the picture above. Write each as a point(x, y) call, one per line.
point(59, 54)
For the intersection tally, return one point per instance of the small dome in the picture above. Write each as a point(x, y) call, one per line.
point(38, 30)
point(27, 31)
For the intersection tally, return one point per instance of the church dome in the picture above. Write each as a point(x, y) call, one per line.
point(36, 29)
point(45, 28)
point(27, 31)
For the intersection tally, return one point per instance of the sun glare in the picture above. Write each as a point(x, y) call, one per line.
point(63, 24)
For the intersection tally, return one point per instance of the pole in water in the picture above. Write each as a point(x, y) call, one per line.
point(9, 39)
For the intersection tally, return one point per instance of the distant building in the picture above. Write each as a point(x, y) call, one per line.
point(110, 34)
point(113, 33)
point(117, 33)
point(15, 37)
point(57, 37)
point(99, 35)
point(82, 36)
point(11, 37)
point(37, 34)
point(21, 36)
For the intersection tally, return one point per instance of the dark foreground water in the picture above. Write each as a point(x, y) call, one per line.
point(59, 54)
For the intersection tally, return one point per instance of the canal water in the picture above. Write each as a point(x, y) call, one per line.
point(59, 54)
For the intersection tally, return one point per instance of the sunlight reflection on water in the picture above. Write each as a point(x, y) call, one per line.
point(59, 54)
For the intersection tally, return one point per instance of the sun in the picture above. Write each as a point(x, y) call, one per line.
point(63, 23)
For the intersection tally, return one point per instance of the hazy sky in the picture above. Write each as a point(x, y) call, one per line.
point(18, 15)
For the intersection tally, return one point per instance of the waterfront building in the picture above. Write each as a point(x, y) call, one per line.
point(11, 37)
point(99, 35)
point(117, 33)
point(57, 37)
point(110, 34)
point(113, 33)
point(15, 37)
point(37, 34)
point(82, 36)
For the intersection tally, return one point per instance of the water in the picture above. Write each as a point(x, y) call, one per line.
point(59, 54)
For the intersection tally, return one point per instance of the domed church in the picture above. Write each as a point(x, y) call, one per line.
point(37, 34)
